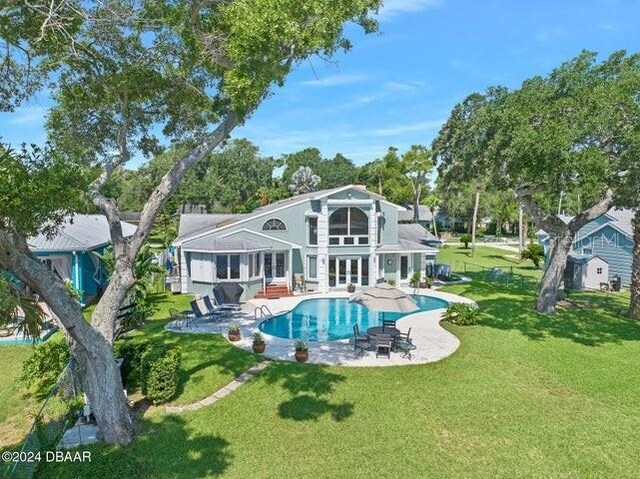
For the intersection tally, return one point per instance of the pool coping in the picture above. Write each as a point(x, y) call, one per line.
point(433, 342)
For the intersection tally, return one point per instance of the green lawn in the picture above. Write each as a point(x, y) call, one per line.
point(524, 396)
point(16, 407)
point(461, 260)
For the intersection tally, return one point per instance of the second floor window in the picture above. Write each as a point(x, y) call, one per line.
point(348, 226)
point(313, 230)
point(274, 224)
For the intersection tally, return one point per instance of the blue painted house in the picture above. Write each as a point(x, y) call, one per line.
point(602, 247)
point(70, 253)
point(321, 241)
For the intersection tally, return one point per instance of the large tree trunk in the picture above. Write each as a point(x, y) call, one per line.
point(561, 237)
point(634, 305)
point(553, 277)
point(100, 375)
point(476, 205)
point(416, 204)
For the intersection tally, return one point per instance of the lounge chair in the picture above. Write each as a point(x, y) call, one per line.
point(360, 342)
point(383, 345)
point(201, 311)
point(219, 301)
point(213, 308)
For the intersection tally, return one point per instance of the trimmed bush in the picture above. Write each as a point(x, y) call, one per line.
point(159, 372)
point(161, 378)
point(461, 314)
point(131, 351)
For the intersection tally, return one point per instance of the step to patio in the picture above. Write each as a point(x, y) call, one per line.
point(274, 292)
point(222, 392)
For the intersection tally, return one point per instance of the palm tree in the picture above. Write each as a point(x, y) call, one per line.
point(19, 311)
point(433, 201)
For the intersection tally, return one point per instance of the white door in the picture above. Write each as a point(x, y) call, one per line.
point(275, 267)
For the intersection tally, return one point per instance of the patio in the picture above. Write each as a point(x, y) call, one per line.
point(432, 341)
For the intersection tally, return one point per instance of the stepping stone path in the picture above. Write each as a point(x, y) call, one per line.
point(220, 393)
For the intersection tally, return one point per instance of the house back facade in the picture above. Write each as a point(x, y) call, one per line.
point(601, 250)
point(320, 241)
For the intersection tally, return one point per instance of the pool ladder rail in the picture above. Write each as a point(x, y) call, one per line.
point(262, 312)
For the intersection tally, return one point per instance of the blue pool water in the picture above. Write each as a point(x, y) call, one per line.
point(333, 318)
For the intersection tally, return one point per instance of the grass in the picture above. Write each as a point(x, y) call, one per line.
point(526, 395)
point(16, 406)
point(486, 257)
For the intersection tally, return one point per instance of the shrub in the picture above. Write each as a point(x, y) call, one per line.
point(159, 372)
point(461, 314)
point(233, 329)
point(161, 379)
point(466, 239)
point(415, 279)
point(258, 338)
point(301, 346)
point(45, 365)
point(131, 351)
point(533, 252)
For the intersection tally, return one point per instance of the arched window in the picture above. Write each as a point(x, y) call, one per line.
point(348, 226)
point(274, 224)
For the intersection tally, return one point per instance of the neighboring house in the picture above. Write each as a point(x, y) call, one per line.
point(608, 238)
point(425, 216)
point(70, 252)
point(325, 239)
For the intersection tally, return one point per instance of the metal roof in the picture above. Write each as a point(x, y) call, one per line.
point(411, 237)
point(583, 258)
point(78, 233)
point(223, 245)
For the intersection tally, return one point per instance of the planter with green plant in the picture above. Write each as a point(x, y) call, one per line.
point(302, 351)
point(351, 288)
point(461, 314)
point(259, 343)
point(233, 333)
point(414, 282)
point(425, 282)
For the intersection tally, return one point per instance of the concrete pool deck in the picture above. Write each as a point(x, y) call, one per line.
point(432, 341)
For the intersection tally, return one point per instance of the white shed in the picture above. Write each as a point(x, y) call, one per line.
point(586, 272)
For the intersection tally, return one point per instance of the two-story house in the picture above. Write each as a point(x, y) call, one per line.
point(323, 240)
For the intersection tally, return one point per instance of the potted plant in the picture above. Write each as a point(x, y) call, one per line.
point(425, 283)
point(415, 279)
point(258, 343)
point(233, 333)
point(302, 351)
point(351, 288)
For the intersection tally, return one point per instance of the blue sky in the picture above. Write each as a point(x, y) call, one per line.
point(397, 87)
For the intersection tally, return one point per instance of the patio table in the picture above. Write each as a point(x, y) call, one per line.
point(393, 332)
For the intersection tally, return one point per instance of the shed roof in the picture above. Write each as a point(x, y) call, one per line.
point(78, 233)
point(407, 214)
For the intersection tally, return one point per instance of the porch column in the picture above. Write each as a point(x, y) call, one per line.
point(290, 270)
point(323, 248)
point(183, 271)
point(76, 280)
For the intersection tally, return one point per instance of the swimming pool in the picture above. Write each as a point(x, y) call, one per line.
point(326, 319)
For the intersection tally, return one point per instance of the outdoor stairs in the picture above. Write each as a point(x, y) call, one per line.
point(274, 291)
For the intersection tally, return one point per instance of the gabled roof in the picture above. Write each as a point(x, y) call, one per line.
point(78, 233)
point(412, 237)
point(208, 223)
point(583, 258)
point(620, 219)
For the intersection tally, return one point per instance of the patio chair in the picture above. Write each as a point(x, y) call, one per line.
point(388, 323)
point(360, 342)
point(219, 301)
point(383, 345)
point(404, 344)
point(200, 310)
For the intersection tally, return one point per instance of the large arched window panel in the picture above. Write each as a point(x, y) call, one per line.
point(348, 226)
point(274, 224)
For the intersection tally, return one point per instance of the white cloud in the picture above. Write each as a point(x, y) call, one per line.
point(337, 80)
point(28, 115)
point(409, 128)
point(403, 86)
point(550, 34)
point(393, 8)
point(607, 27)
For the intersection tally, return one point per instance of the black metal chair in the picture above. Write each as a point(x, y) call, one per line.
point(361, 343)
point(388, 323)
point(404, 344)
point(383, 345)
point(177, 318)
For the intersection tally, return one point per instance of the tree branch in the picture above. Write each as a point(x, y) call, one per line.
point(592, 213)
point(549, 223)
point(171, 180)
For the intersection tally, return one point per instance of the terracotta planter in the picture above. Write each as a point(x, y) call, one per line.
point(234, 337)
point(302, 356)
point(259, 347)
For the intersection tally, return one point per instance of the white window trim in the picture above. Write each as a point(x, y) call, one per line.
point(286, 228)
point(356, 238)
point(309, 256)
point(309, 231)
point(228, 278)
